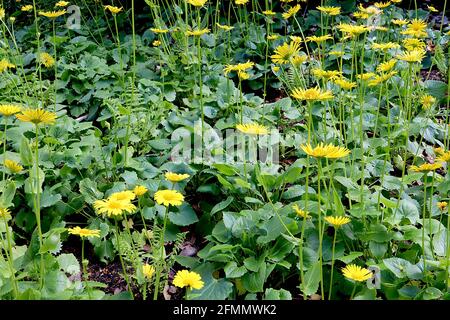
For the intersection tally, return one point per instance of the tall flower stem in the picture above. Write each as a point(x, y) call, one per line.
point(160, 262)
point(332, 264)
point(84, 265)
point(37, 207)
point(10, 258)
point(125, 274)
point(319, 173)
point(423, 225)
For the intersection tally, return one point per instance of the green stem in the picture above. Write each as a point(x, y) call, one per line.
point(160, 262)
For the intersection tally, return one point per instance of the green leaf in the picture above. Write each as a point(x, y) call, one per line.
point(350, 257)
point(88, 189)
point(213, 289)
point(403, 268)
point(221, 205)
point(254, 281)
point(68, 263)
point(312, 280)
point(26, 155)
point(184, 217)
point(273, 294)
point(233, 271)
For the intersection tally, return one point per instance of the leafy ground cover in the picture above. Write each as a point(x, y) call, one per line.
point(194, 149)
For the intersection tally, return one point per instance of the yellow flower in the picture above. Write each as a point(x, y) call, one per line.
point(8, 110)
point(238, 67)
point(2, 13)
point(37, 116)
point(427, 101)
point(328, 75)
point(176, 177)
point(269, 13)
point(413, 44)
point(426, 167)
point(300, 212)
point(84, 233)
point(148, 270)
point(224, 27)
point(273, 37)
point(361, 15)
point(123, 196)
point(432, 9)
point(13, 166)
point(400, 22)
point(5, 214)
point(113, 208)
point(311, 94)
point(337, 221)
point(345, 84)
point(369, 10)
point(52, 14)
point(396, 1)
point(381, 78)
point(169, 197)
point(197, 32)
point(328, 151)
point(444, 157)
point(385, 46)
point(416, 55)
point(276, 69)
point(387, 66)
point(292, 11)
point(284, 53)
point(113, 10)
point(61, 4)
point(356, 273)
point(319, 39)
point(239, 2)
point(299, 59)
point(382, 5)
point(157, 30)
point(185, 278)
point(197, 3)
point(336, 53)
point(416, 28)
point(352, 30)
point(442, 205)
point(156, 43)
point(331, 11)
point(366, 76)
point(296, 39)
point(26, 8)
point(439, 150)
point(46, 59)
point(139, 190)
point(252, 128)
point(242, 75)
point(5, 64)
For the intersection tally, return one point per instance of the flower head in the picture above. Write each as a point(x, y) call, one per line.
point(337, 221)
point(8, 110)
point(156, 43)
point(385, 46)
point(113, 10)
point(416, 28)
point(157, 30)
point(84, 233)
point(148, 270)
point(46, 59)
point(352, 30)
point(319, 39)
point(301, 213)
point(326, 74)
point(328, 151)
point(37, 116)
point(198, 32)
point(197, 3)
point(252, 128)
point(238, 67)
point(113, 207)
point(176, 177)
point(442, 205)
point(356, 273)
point(413, 44)
point(400, 22)
point(62, 4)
point(123, 196)
point(331, 11)
point(140, 190)
point(416, 55)
point(13, 166)
point(427, 101)
point(241, 2)
point(444, 156)
point(311, 94)
point(186, 278)
point(5, 65)
point(169, 197)
point(432, 9)
point(382, 5)
point(224, 27)
point(345, 84)
point(52, 14)
point(426, 167)
point(269, 13)
point(285, 52)
point(26, 8)
point(386, 66)
point(291, 12)
point(5, 214)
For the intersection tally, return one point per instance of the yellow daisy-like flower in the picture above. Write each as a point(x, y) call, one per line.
point(252, 128)
point(114, 10)
point(2, 13)
point(284, 53)
point(269, 13)
point(444, 156)
point(62, 4)
point(426, 167)
point(113, 208)
point(148, 270)
point(361, 15)
point(311, 94)
point(46, 59)
point(156, 43)
point(413, 56)
point(371, 10)
point(37, 116)
point(123, 196)
point(299, 59)
point(157, 30)
point(13, 166)
point(337, 221)
point(84, 233)
point(169, 197)
point(140, 190)
point(414, 44)
point(5, 214)
point(327, 75)
point(396, 1)
point(185, 278)
point(382, 5)
point(439, 150)
point(176, 177)
point(352, 30)
point(52, 14)
point(366, 76)
point(238, 67)
point(197, 3)
point(8, 110)
point(416, 28)
point(356, 273)
point(291, 12)
point(345, 84)
point(427, 101)
point(26, 8)
point(385, 46)
point(400, 22)
point(328, 151)
point(273, 37)
point(387, 66)
point(224, 27)
point(301, 213)
point(381, 78)
point(198, 32)
point(241, 2)
point(276, 69)
point(319, 39)
point(242, 75)
point(296, 39)
point(432, 9)
point(331, 11)
point(5, 65)
point(442, 205)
